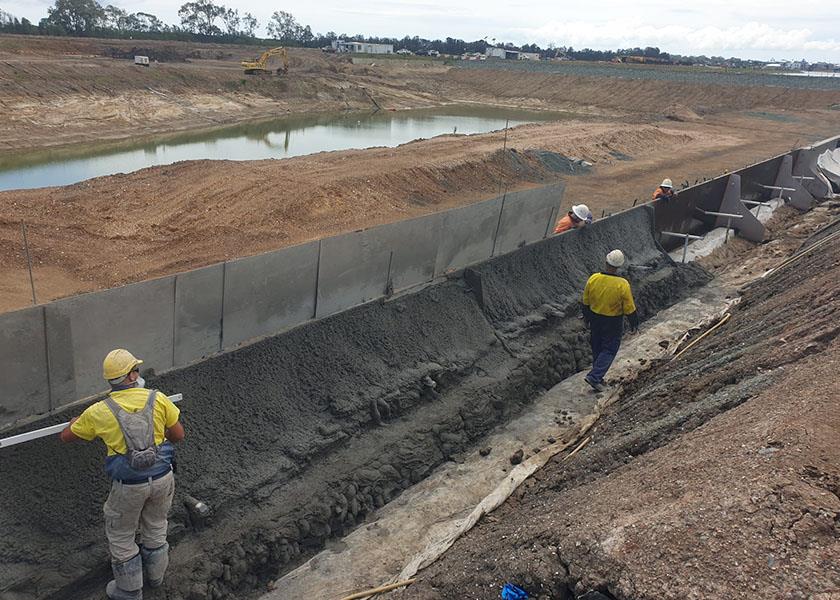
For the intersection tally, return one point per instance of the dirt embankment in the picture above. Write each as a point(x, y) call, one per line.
point(115, 230)
point(714, 476)
point(61, 91)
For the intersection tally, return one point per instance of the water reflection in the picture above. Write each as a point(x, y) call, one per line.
point(274, 139)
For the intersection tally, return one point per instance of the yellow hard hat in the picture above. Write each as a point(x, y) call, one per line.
point(119, 363)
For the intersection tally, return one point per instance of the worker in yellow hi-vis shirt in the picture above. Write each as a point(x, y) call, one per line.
point(607, 299)
point(138, 427)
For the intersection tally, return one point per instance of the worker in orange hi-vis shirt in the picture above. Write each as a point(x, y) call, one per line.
point(665, 191)
point(579, 216)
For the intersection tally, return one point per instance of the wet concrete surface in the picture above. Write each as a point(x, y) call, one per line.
point(295, 440)
point(432, 510)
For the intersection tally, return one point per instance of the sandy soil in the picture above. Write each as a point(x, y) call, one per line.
point(714, 476)
point(158, 221)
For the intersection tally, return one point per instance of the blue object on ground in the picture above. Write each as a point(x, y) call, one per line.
point(513, 592)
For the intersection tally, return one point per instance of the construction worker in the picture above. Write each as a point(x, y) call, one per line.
point(579, 216)
point(607, 299)
point(665, 191)
point(138, 427)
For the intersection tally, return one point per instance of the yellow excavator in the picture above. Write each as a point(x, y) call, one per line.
point(261, 64)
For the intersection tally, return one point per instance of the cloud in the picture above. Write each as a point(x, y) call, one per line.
point(751, 36)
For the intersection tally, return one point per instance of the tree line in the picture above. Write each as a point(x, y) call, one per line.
point(200, 20)
point(205, 20)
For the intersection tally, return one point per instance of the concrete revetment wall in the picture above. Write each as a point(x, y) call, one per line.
point(52, 354)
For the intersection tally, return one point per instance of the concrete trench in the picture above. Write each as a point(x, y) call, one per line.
point(294, 439)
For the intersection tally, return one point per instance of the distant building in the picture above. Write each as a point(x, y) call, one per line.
point(362, 47)
point(503, 53)
point(529, 56)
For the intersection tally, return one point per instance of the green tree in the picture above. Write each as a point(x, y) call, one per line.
point(249, 25)
point(146, 22)
point(200, 16)
point(115, 17)
point(79, 17)
point(243, 26)
point(283, 26)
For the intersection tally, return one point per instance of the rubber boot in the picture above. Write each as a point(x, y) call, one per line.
point(128, 580)
point(155, 561)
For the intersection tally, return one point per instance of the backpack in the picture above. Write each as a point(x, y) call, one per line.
point(138, 430)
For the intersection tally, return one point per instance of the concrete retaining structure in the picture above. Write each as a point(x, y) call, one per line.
point(139, 316)
point(467, 235)
point(269, 292)
point(524, 217)
point(23, 365)
point(177, 320)
point(351, 409)
point(199, 302)
point(195, 314)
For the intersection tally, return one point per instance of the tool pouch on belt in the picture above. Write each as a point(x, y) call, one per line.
point(138, 429)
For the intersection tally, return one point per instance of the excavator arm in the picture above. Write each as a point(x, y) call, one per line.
point(260, 65)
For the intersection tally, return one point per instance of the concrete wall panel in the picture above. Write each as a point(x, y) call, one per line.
point(23, 365)
point(467, 235)
point(524, 216)
point(415, 245)
point(353, 270)
point(81, 330)
point(269, 292)
point(198, 313)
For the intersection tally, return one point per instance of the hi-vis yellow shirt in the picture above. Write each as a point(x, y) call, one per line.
point(98, 420)
point(608, 295)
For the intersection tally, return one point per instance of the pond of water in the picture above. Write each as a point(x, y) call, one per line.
point(282, 138)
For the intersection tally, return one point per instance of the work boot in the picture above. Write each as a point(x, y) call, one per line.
point(595, 385)
point(128, 580)
point(155, 561)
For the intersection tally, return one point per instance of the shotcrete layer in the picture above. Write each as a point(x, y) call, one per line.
point(294, 439)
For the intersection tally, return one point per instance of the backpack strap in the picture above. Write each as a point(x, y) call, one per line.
point(118, 411)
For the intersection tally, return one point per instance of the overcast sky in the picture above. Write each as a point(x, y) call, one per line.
point(789, 29)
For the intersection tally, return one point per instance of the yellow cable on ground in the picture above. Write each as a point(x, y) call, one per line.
point(379, 590)
point(719, 323)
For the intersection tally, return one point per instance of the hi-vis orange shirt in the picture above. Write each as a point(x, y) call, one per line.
point(564, 224)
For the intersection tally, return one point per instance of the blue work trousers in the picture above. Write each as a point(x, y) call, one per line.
point(605, 346)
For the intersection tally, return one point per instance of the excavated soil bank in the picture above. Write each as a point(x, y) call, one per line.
point(294, 439)
point(712, 476)
point(64, 92)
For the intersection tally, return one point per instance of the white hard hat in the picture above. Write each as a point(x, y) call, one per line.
point(615, 258)
point(666, 183)
point(582, 212)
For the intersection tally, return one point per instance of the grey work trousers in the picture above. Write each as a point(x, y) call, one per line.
point(144, 505)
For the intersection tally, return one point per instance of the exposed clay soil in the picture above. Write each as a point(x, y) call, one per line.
point(158, 221)
point(713, 476)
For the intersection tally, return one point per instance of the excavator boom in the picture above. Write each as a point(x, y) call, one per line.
point(260, 65)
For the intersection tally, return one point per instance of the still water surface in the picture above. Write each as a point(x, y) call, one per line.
point(274, 139)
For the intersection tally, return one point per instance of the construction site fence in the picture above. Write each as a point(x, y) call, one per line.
point(51, 354)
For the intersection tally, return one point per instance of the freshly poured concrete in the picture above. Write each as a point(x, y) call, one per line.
point(377, 552)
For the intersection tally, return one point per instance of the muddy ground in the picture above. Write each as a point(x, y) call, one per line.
point(713, 476)
point(57, 92)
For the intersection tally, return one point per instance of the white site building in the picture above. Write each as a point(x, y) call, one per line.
point(362, 47)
